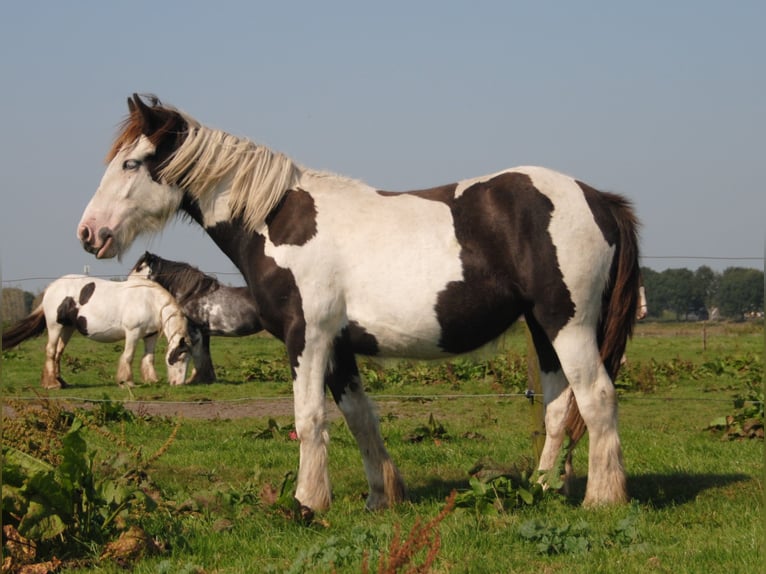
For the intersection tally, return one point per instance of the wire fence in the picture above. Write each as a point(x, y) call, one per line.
point(644, 258)
point(528, 395)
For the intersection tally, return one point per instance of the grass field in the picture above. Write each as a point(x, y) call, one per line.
point(697, 497)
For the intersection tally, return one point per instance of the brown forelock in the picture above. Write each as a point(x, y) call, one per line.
point(166, 121)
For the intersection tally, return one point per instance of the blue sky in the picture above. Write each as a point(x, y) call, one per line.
point(660, 101)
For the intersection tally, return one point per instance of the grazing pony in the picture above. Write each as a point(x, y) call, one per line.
point(423, 274)
point(210, 307)
point(107, 311)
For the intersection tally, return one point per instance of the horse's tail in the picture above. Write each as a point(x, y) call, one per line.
point(32, 325)
point(619, 301)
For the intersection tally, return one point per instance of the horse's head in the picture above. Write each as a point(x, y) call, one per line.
point(177, 358)
point(145, 267)
point(132, 198)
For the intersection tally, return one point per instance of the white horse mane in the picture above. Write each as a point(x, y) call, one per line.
point(259, 177)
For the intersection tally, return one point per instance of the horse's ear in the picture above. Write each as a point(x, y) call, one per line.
point(151, 121)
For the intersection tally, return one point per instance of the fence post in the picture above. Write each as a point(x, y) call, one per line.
point(534, 393)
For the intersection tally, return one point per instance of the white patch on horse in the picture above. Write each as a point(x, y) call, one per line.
point(574, 240)
point(393, 289)
point(121, 203)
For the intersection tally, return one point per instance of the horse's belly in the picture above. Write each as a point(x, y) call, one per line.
point(107, 335)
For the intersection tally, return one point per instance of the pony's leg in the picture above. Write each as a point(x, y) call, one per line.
point(386, 486)
point(309, 362)
point(559, 403)
point(203, 364)
point(578, 352)
point(148, 372)
point(51, 375)
point(124, 368)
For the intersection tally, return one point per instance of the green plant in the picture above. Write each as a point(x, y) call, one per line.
point(747, 422)
point(553, 539)
point(434, 430)
point(66, 508)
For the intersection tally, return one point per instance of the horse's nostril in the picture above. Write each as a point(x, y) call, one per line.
point(104, 234)
point(85, 234)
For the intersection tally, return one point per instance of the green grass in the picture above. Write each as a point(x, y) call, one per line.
point(697, 500)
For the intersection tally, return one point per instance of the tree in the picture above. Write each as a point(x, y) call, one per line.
point(16, 304)
point(707, 282)
point(740, 291)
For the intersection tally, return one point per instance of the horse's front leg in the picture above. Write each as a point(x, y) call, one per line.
point(385, 484)
point(203, 371)
point(148, 372)
point(313, 488)
point(124, 368)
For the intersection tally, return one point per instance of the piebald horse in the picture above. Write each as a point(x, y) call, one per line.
point(423, 274)
point(107, 311)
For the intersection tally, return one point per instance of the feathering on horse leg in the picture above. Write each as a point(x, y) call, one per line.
point(51, 375)
point(596, 399)
point(124, 363)
point(148, 372)
point(386, 486)
point(313, 488)
point(558, 399)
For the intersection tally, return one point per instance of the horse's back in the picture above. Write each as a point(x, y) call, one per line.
point(448, 269)
point(105, 310)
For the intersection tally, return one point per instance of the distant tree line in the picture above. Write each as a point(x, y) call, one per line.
point(678, 294)
point(681, 294)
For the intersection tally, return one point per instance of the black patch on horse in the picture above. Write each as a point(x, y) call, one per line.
point(343, 373)
point(280, 304)
point(363, 342)
point(601, 213)
point(66, 313)
point(293, 221)
point(507, 254)
point(86, 293)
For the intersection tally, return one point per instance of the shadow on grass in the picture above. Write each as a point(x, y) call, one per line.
point(656, 490)
point(662, 490)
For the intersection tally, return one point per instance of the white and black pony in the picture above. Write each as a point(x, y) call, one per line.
point(210, 307)
point(427, 274)
point(107, 311)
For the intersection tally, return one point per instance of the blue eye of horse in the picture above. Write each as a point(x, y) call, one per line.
point(131, 164)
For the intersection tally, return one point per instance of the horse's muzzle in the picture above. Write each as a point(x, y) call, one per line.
point(99, 244)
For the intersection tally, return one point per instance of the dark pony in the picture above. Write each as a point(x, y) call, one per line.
point(210, 307)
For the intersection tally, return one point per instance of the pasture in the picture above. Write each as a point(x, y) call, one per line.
point(217, 458)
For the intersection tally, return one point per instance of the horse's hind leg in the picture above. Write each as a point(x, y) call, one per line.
point(386, 486)
point(148, 372)
point(560, 406)
point(57, 340)
point(596, 398)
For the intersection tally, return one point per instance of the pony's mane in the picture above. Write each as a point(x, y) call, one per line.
point(257, 177)
point(184, 281)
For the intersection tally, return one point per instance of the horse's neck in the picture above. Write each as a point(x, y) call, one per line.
point(167, 278)
point(173, 320)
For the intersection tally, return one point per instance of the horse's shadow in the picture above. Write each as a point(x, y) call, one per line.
point(654, 490)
